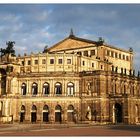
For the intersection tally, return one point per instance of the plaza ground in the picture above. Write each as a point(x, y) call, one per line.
point(68, 130)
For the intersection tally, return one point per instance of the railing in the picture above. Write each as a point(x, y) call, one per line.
point(41, 95)
point(115, 94)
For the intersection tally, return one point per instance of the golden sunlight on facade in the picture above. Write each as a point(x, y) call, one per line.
point(75, 81)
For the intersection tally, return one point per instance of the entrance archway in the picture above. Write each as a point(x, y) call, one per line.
point(22, 114)
point(118, 113)
point(70, 113)
point(46, 114)
point(58, 117)
point(34, 114)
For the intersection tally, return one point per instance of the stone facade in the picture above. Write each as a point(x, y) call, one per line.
point(74, 81)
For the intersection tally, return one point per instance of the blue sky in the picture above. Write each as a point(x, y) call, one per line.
point(32, 26)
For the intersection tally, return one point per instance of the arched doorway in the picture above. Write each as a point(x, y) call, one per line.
point(70, 113)
point(58, 117)
point(34, 114)
point(45, 113)
point(22, 114)
point(118, 113)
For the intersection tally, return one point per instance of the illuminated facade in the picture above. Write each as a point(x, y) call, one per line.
point(75, 81)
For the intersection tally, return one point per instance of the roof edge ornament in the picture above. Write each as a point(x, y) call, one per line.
point(71, 33)
point(45, 49)
point(130, 49)
point(100, 41)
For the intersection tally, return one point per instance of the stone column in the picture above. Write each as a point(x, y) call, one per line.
point(52, 116)
point(28, 112)
point(65, 115)
point(113, 114)
point(6, 113)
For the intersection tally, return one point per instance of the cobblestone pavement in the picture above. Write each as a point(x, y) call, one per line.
point(68, 130)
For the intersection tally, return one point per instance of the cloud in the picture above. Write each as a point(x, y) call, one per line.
point(32, 26)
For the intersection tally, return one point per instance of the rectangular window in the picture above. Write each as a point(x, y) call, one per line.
point(108, 52)
point(36, 62)
point(92, 52)
point(120, 56)
point(22, 62)
point(68, 61)
point(123, 57)
point(101, 66)
point(29, 62)
point(43, 61)
point(79, 53)
point(51, 61)
point(83, 63)
point(116, 55)
point(59, 61)
point(85, 53)
point(92, 64)
point(112, 54)
point(127, 58)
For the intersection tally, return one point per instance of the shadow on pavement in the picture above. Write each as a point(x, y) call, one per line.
point(125, 127)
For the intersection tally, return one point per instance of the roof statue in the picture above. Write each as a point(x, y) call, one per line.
point(130, 49)
point(45, 49)
point(71, 33)
point(100, 41)
point(9, 49)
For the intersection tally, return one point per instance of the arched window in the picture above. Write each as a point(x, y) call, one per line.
point(34, 109)
point(34, 89)
point(46, 89)
point(23, 89)
point(45, 113)
point(70, 113)
point(58, 88)
point(22, 108)
point(58, 108)
point(45, 108)
point(70, 89)
point(58, 113)
point(34, 114)
point(71, 108)
point(22, 113)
